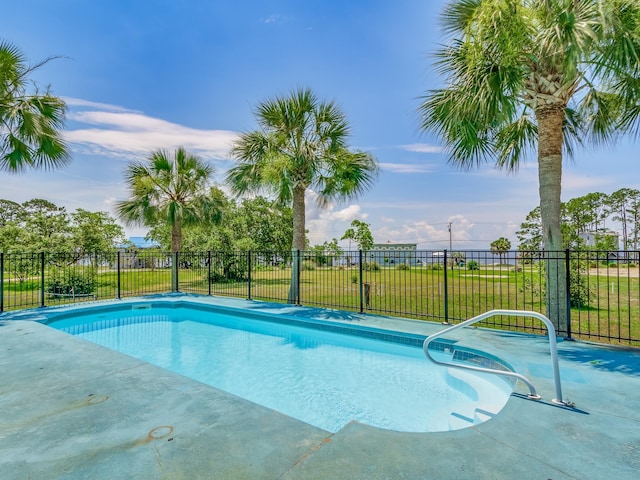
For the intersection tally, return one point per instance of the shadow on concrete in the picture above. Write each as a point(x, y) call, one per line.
point(604, 358)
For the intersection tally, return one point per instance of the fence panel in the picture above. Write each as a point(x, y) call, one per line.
point(603, 302)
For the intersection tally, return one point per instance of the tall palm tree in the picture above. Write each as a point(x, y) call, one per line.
point(301, 145)
point(169, 189)
point(30, 122)
point(523, 74)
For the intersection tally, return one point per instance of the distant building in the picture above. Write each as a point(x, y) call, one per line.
point(592, 238)
point(131, 257)
point(389, 254)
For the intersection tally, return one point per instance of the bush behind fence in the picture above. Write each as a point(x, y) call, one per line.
point(604, 288)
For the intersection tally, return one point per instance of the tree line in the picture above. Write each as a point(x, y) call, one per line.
point(593, 213)
point(39, 225)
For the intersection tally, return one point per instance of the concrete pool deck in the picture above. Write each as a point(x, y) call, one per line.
point(72, 409)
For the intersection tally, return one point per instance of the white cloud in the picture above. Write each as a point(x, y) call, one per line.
point(407, 167)
point(116, 132)
point(329, 222)
point(422, 148)
point(79, 102)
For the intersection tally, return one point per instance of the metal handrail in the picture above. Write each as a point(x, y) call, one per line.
point(517, 313)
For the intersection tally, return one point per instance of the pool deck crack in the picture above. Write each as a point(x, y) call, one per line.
point(310, 452)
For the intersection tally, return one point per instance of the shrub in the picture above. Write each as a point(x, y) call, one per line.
point(579, 290)
point(371, 266)
point(229, 268)
point(403, 266)
point(354, 278)
point(73, 281)
point(473, 265)
point(437, 266)
point(308, 265)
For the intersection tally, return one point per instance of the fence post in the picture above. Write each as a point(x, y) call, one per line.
point(174, 271)
point(209, 271)
point(42, 303)
point(567, 267)
point(360, 279)
point(118, 294)
point(298, 269)
point(248, 274)
point(1, 282)
point(446, 290)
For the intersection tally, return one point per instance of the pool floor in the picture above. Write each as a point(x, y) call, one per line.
point(321, 377)
point(71, 409)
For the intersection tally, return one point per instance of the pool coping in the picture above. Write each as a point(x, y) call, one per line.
point(597, 439)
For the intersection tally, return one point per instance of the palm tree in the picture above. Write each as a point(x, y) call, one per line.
point(169, 189)
point(301, 145)
point(536, 73)
point(30, 122)
point(500, 247)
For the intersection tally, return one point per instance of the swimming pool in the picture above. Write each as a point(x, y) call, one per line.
point(320, 372)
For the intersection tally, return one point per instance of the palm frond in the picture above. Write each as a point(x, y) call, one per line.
point(30, 123)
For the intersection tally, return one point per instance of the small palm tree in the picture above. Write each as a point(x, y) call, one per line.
point(527, 74)
point(301, 144)
point(500, 247)
point(30, 122)
point(169, 189)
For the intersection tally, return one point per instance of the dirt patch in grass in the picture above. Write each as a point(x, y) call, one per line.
point(633, 272)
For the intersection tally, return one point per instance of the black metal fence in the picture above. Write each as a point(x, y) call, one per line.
point(603, 302)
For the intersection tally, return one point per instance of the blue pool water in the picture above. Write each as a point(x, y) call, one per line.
point(321, 377)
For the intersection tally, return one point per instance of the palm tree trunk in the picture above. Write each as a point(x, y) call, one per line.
point(550, 120)
point(298, 242)
point(298, 218)
point(176, 236)
point(176, 245)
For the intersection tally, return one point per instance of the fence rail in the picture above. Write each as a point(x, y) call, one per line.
point(603, 302)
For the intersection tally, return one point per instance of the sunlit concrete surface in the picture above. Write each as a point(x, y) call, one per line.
point(72, 409)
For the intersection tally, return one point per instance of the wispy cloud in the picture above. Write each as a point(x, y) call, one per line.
point(275, 18)
point(422, 148)
point(407, 167)
point(79, 102)
point(117, 132)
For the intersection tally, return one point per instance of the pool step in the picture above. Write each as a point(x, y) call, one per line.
point(477, 411)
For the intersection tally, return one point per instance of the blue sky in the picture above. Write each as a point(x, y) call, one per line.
point(140, 75)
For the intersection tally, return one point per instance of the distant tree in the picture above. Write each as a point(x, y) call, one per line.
point(95, 232)
point(500, 247)
point(530, 232)
point(39, 225)
point(268, 223)
point(169, 189)
point(48, 226)
point(596, 204)
point(527, 74)
point(360, 233)
point(580, 214)
point(31, 122)
point(9, 212)
point(622, 205)
point(301, 144)
point(328, 252)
